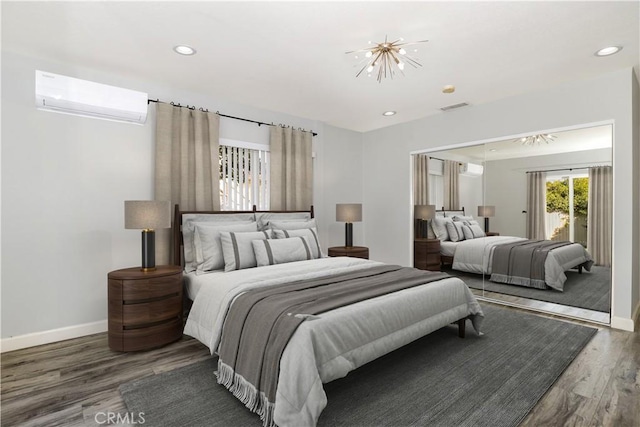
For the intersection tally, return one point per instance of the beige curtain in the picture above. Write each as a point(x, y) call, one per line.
point(600, 214)
point(420, 179)
point(187, 170)
point(536, 205)
point(291, 169)
point(451, 185)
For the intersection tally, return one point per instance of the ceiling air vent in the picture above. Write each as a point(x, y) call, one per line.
point(454, 106)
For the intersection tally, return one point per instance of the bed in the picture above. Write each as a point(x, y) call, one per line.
point(324, 345)
point(476, 253)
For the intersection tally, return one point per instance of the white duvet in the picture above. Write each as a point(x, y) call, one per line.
point(476, 256)
point(328, 346)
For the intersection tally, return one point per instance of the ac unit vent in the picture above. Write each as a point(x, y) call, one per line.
point(454, 106)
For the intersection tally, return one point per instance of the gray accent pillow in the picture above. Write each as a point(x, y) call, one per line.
point(188, 228)
point(237, 249)
point(310, 233)
point(472, 231)
point(280, 251)
point(206, 240)
point(439, 226)
point(263, 218)
point(463, 218)
point(454, 228)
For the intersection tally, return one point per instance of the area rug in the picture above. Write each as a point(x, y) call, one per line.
point(590, 290)
point(439, 380)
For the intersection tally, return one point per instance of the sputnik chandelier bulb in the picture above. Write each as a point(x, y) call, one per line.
point(536, 139)
point(383, 58)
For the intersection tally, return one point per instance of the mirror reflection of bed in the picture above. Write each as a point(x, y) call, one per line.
point(529, 220)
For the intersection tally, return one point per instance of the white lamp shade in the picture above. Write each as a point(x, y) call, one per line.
point(349, 212)
point(486, 211)
point(424, 211)
point(147, 214)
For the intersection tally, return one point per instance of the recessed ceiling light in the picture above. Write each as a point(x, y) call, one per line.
point(388, 113)
point(609, 50)
point(449, 89)
point(493, 150)
point(184, 50)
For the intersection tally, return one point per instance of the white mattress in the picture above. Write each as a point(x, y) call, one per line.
point(448, 248)
point(194, 282)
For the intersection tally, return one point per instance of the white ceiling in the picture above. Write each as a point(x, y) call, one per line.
point(289, 56)
point(568, 141)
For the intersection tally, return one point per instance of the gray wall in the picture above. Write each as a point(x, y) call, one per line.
point(607, 97)
point(506, 183)
point(64, 180)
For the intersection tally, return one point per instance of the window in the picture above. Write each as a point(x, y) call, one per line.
point(244, 175)
point(567, 202)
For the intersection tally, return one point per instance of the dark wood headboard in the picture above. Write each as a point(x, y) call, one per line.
point(176, 227)
point(452, 210)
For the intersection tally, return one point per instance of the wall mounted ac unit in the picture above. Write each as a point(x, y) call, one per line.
point(471, 169)
point(69, 95)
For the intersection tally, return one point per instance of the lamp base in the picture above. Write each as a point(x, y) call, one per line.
point(148, 250)
point(348, 234)
point(486, 224)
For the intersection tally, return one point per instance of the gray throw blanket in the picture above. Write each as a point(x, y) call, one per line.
point(260, 323)
point(522, 262)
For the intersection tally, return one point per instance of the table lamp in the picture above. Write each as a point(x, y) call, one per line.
point(486, 212)
point(147, 215)
point(423, 214)
point(348, 213)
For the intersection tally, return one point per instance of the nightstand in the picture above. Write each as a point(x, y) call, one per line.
point(491, 233)
point(145, 307)
point(352, 251)
point(426, 254)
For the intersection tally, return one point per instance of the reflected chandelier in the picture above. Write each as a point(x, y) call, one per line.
point(385, 57)
point(536, 139)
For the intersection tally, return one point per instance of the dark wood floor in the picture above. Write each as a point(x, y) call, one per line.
point(68, 383)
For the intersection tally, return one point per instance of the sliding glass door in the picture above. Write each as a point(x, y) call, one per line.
point(567, 207)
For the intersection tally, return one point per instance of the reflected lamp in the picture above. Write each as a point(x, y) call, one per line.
point(348, 213)
point(486, 212)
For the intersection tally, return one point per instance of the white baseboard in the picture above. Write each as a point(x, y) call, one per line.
point(622, 323)
point(54, 335)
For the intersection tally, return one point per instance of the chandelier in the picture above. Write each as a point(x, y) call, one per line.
point(384, 58)
point(536, 139)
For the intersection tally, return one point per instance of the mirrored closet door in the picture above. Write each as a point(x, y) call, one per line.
point(552, 189)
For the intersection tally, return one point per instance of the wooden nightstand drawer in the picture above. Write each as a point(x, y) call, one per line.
point(139, 315)
point(133, 290)
point(426, 254)
point(146, 338)
point(350, 251)
point(145, 307)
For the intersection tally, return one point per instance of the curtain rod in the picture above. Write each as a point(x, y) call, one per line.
point(192, 107)
point(569, 169)
point(442, 160)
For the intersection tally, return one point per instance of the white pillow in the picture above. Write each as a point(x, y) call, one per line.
point(279, 251)
point(463, 218)
point(206, 240)
point(310, 233)
point(471, 222)
point(472, 231)
point(188, 228)
point(454, 228)
point(440, 228)
point(237, 249)
point(263, 218)
point(292, 225)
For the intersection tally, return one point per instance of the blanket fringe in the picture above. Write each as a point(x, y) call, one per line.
point(246, 392)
